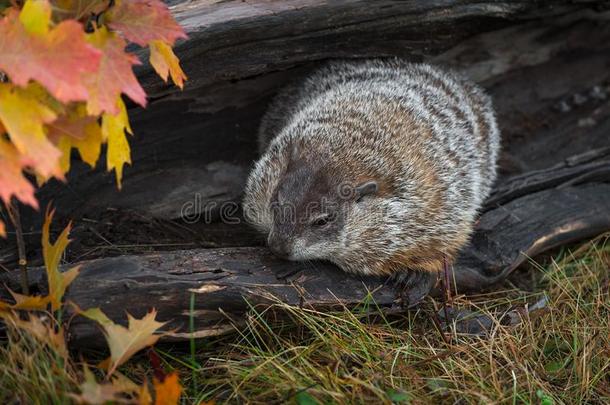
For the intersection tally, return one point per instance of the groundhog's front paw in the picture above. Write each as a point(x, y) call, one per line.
point(413, 286)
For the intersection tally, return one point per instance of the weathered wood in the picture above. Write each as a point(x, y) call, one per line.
point(238, 39)
point(545, 63)
point(240, 53)
point(590, 166)
point(226, 282)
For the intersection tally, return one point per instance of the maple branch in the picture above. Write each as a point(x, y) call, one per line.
point(13, 212)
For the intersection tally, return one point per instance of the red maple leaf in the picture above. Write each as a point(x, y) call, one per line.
point(142, 21)
point(56, 60)
point(114, 76)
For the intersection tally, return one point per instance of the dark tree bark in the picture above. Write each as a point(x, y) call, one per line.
point(546, 64)
point(531, 56)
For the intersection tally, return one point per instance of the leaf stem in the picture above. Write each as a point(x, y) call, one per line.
point(13, 212)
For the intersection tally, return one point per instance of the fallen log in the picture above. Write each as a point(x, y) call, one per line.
point(228, 282)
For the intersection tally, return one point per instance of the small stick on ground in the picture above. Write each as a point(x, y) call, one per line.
point(13, 213)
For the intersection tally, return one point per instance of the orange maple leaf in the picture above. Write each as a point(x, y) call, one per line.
point(56, 59)
point(12, 181)
point(2, 230)
point(143, 21)
point(167, 392)
point(29, 302)
point(114, 76)
point(165, 63)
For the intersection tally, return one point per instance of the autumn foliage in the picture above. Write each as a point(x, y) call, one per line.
point(39, 316)
point(63, 71)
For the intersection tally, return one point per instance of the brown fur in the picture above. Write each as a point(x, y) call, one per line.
point(425, 139)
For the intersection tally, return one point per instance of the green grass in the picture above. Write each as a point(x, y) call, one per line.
point(560, 354)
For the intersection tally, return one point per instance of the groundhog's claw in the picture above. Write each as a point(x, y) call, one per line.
point(414, 286)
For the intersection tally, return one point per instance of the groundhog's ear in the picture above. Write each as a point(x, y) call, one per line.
point(366, 188)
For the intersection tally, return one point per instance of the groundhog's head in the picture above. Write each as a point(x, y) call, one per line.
point(309, 210)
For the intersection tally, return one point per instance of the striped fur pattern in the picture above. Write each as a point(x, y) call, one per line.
point(427, 138)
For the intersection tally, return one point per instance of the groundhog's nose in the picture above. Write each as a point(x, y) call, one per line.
point(278, 246)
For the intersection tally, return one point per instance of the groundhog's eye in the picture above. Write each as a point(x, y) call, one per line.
point(322, 220)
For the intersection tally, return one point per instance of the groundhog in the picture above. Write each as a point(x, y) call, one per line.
point(378, 166)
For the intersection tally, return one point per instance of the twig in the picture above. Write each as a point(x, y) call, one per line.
point(439, 328)
point(448, 293)
point(13, 213)
point(448, 298)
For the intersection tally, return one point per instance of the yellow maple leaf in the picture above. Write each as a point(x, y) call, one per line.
point(166, 63)
point(124, 342)
point(58, 281)
point(113, 132)
point(168, 391)
point(24, 117)
point(36, 16)
point(65, 146)
point(88, 148)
